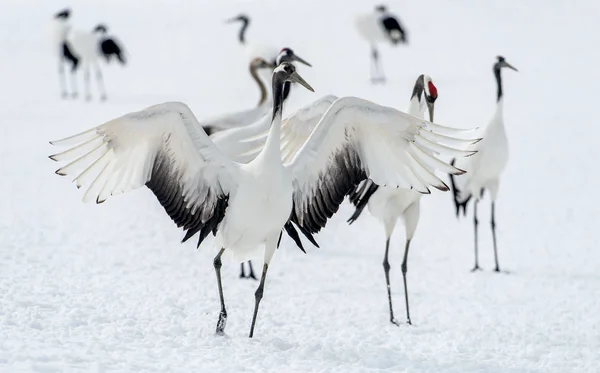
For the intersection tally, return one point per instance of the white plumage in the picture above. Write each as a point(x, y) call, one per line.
point(486, 167)
point(248, 205)
point(390, 204)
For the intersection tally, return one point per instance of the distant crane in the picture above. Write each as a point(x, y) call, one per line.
point(89, 47)
point(377, 27)
point(83, 48)
point(485, 168)
point(61, 28)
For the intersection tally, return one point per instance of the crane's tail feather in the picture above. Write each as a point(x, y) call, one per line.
point(457, 193)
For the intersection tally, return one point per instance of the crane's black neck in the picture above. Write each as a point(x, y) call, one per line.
point(245, 23)
point(287, 87)
point(419, 87)
point(278, 96)
point(498, 80)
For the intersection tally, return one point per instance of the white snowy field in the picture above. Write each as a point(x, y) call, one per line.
point(110, 288)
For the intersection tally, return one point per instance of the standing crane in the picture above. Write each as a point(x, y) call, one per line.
point(485, 168)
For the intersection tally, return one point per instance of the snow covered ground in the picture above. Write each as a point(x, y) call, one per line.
point(109, 288)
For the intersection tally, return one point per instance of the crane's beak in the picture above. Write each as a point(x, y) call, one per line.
point(231, 20)
point(430, 107)
point(298, 79)
point(294, 57)
point(506, 64)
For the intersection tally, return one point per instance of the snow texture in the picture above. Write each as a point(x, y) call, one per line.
point(109, 288)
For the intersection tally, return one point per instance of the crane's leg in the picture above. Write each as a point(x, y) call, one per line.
point(74, 93)
point(62, 79)
point(411, 219)
point(493, 224)
point(86, 82)
point(270, 246)
point(386, 269)
point(223, 314)
point(376, 70)
point(475, 223)
point(100, 81)
point(404, 270)
point(250, 273)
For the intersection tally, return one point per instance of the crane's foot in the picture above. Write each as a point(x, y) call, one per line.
point(380, 80)
point(497, 269)
point(74, 95)
point(103, 98)
point(221, 323)
point(393, 321)
point(476, 268)
point(409, 322)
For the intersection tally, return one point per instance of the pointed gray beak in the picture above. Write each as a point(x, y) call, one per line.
point(294, 57)
point(231, 20)
point(430, 107)
point(298, 79)
point(506, 64)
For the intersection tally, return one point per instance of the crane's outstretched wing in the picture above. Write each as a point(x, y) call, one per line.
point(164, 148)
point(357, 139)
point(234, 120)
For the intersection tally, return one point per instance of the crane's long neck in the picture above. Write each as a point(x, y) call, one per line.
point(242, 36)
point(272, 147)
point(261, 85)
point(419, 87)
point(498, 81)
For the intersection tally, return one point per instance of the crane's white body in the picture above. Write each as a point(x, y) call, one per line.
point(485, 168)
point(389, 204)
point(370, 28)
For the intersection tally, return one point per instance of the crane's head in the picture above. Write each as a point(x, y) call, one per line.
point(381, 8)
point(63, 14)
point(288, 55)
point(431, 94)
point(101, 29)
point(239, 18)
point(286, 72)
point(501, 62)
point(259, 63)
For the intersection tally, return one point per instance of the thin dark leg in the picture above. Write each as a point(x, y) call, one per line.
point(475, 224)
point(223, 315)
point(376, 72)
point(251, 274)
point(494, 237)
point(404, 269)
point(258, 296)
point(62, 79)
point(386, 269)
point(242, 274)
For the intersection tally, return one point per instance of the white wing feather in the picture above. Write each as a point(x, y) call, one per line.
point(120, 155)
point(358, 139)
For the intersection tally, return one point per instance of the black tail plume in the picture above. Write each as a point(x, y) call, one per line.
point(455, 193)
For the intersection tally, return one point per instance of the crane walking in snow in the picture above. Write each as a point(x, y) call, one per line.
point(380, 27)
point(485, 168)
